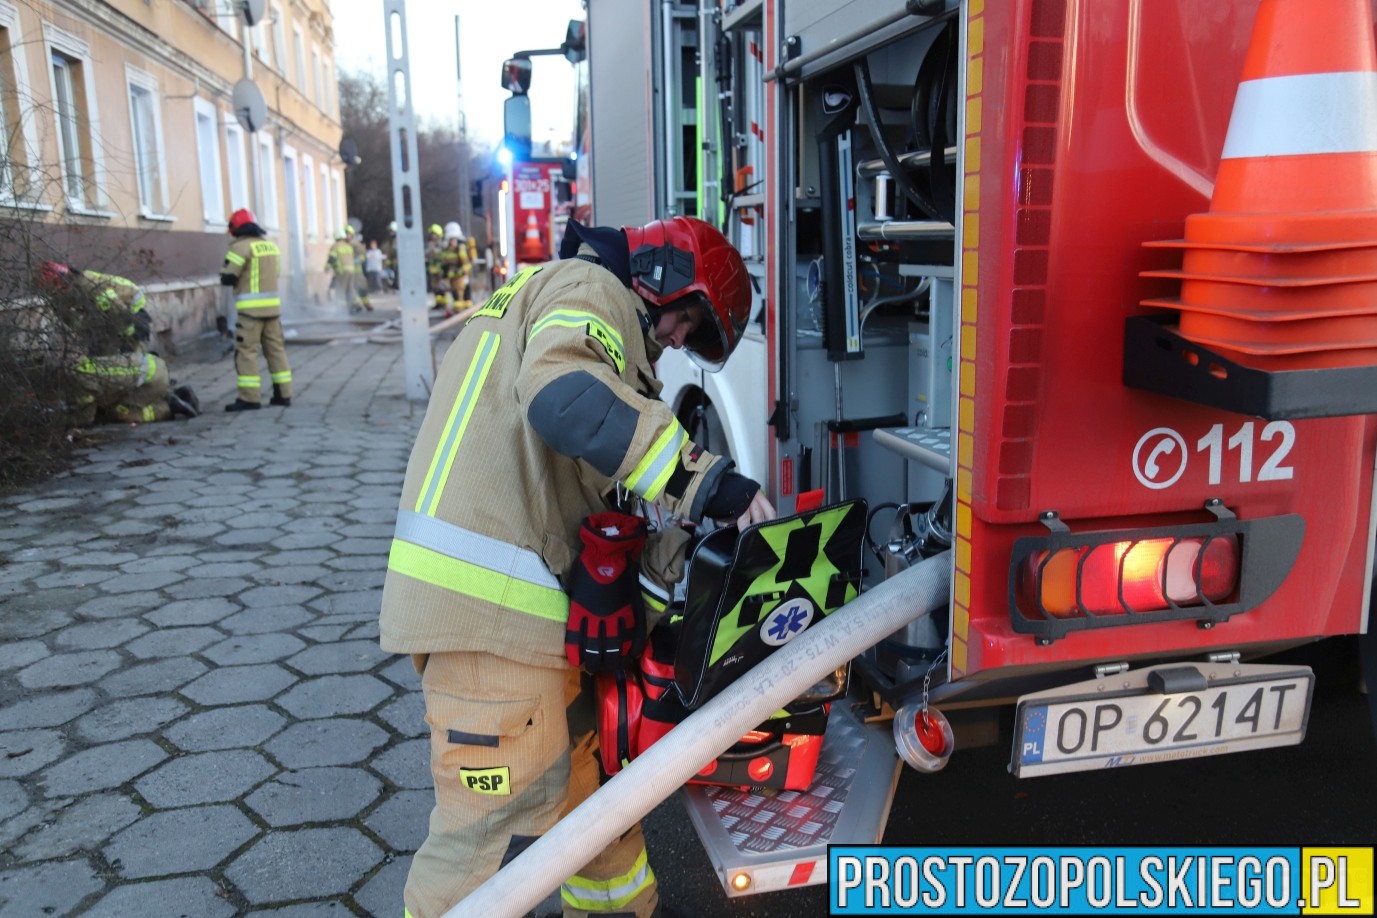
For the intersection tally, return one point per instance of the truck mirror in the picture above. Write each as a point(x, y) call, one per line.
point(516, 75)
point(516, 119)
point(575, 46)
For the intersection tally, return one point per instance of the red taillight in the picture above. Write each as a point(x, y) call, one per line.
point(1130, 576)
point(760, 769)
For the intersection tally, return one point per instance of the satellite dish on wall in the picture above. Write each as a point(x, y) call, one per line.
point(252, 10)
point(249, 108)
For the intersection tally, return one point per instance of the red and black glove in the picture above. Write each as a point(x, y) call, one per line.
point(606, 627)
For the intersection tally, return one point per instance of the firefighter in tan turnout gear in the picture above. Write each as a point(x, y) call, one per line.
point(544, 404)
point(251, 268)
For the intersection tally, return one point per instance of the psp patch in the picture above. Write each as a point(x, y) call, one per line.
point(496, 782)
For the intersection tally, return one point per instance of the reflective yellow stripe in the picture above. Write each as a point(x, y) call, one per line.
point(596, 329)
point(604, 895)
point(651, 474)
point(149, 413)
point(479, 582)
point(150, 367)
point(458, 422)
point(234, 258)
point(283, 377)
point(257, 302)
point(250, 382)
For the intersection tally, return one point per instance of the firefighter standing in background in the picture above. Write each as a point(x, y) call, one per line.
point(251, 268)
point(360, 282)
point(435, 244)
point(339, 261)
point(555, 368)
point(455, 268)
point(389, 248)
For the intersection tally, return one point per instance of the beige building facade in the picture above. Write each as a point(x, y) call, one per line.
point(122, 151)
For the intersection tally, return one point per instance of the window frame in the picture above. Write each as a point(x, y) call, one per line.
point(312, 209)
point(57, 43)
point(234, 134)
point(327, 204)
point(139, 81)
point(299, 58)
point(279, 38)
point(213, 217)
point(268, 206)
point(19, 181)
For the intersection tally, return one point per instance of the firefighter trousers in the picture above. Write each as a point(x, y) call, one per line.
point(513, 748)
point(250, 333)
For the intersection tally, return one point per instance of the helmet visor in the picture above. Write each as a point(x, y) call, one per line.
point(707, 343)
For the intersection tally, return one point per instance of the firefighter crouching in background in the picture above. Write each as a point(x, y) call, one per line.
point(119, 380)
point(251, 268)
point(556, 367)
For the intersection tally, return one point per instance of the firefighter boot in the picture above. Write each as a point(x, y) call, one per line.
point(185, 394)
point(180, 406)
point(240, 405)
point(277, 398)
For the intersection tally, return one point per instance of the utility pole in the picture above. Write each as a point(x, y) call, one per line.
point(418, 359)
point(465, 193)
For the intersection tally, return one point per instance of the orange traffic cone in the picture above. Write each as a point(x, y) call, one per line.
point(1282, 271)
point(532, 248)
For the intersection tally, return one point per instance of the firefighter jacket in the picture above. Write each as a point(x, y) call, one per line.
point(454, 260)
point(544, 402)
point(341, 257)
point(251, 267)
point(120, 302)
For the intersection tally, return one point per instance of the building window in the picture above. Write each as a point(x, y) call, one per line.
point(208, 158)
point(76, 118)
point(327, 204)
point(299, 58)
point(326, 85)
point(235, 165)
point(316, 80)
point(338, 193)
point(267, 205)
point(261, 47)
point(308, 182)
point(145, 121)
point(279, 39)
point(18, 146)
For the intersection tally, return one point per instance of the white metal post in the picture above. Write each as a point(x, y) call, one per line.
point(418, 359)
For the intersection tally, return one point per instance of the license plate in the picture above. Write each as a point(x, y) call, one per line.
point(1184, 711)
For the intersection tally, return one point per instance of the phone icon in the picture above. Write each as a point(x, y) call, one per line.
point(1163, 448)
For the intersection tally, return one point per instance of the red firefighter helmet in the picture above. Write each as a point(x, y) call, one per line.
point(240, 217)
point(53, 275)
point(686, 257)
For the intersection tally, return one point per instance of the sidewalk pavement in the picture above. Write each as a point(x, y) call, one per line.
point(195, 717)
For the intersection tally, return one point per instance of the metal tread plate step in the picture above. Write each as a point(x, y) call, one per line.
point(778, 839)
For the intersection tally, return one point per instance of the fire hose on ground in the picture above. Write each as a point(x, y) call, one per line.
point(708, 732)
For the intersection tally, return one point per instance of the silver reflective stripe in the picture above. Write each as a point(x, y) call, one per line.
point(649, 586)
point(1307, 113)
point(475, 548)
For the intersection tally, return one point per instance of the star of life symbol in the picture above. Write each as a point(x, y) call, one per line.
point(786, 621)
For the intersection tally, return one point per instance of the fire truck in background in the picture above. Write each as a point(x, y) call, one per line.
point(1080, 291)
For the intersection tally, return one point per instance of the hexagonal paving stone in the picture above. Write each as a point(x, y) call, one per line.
point(101, 767)
point(81, 827)
point(247, 536)
point(334, 696)
point(360, 606)
point(173, 642)
point(18, 623)
point(160, 563)
point(344, 657)
point(273, 870)
point(100, 635)
point(48, 709)
point(406, 764)
point(179, 841)
point(15, 654)
point(301, 557)
point(406, 715)
point(238, 727)
point(12, 799)
point(299, 573)
point(198, 896)
point(382, 892)
point(54, 888)
point(314, 795)
point(269, 619)
point(403, 819)
point(186, 612)
point(227, 569)
point(277, 596)
point(236, 684)
point(79, 577)
point(23, 752)
point(125, 605)
point(69, 669)
point(130, 717)
point(207, 777)
point(149, 678)
point(253, 648)
point(264, 520)
point(204, 588)
point(128, 583)
point(334, 741)
point(332, 909)
point(307, 540)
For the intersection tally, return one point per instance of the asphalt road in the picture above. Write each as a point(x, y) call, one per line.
point(1322, 792)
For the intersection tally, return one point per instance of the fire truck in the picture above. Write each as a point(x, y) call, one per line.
point(1072, 291)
